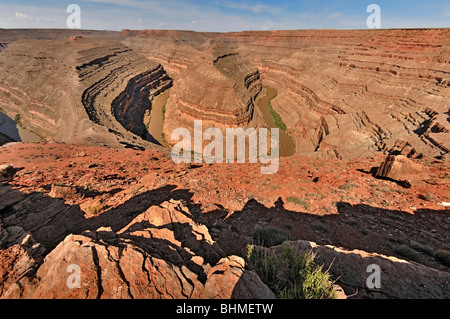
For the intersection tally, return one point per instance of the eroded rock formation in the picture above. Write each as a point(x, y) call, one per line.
point(162, 253)
point(120, 86)
point(86, 91)
point(219, 87)
point(341, 93)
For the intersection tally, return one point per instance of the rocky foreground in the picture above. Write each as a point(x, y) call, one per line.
point(139, 226)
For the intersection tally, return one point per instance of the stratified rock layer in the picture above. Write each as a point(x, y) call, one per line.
point(219, 87)
point(80, 90)
point(340, 93)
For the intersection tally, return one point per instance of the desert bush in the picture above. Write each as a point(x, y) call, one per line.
point(299, 201)
point(422, 248)
point(94, 208)
point(291, 275)
point(269, 236)
point(407, 252)
point(443, 256)
point(428, 197)
point(352, 222)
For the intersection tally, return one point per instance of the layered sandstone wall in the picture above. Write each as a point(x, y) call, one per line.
point(340, 93)
point(80, 90)
point(119, 87)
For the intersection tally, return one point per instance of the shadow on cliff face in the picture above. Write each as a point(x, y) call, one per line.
point(50, 220)
point(164, 253)
point(391, 232)
point(120, 216)
point(373, 229)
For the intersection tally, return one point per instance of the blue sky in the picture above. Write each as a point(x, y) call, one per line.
point(224, 15)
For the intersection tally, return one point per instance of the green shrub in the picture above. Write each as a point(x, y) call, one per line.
point(291, 275)
point(428, 197)
point(422, 248)
point(346, 186)
point(269, 236)
point(276, 118)
point(443, 256)
point(94, 208)
point(299, 201)
point(265, 265)
point(407, 252)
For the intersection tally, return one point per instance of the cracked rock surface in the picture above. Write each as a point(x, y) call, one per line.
point(162, 253)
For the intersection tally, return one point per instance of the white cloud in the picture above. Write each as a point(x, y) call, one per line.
point(255, 8)
point(334, 15)
point(23, 16)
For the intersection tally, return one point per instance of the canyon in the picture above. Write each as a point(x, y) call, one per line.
point(339, 93)
point(363, 178)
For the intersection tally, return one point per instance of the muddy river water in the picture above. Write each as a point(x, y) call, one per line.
point(287, 144)
point(154, 120)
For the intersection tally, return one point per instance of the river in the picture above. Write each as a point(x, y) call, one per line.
point(287, 144)
point(154, 121)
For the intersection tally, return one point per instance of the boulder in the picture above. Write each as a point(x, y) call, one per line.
point(401, 169)
point(65, 192)
point(6, 173)
point(229, 279)
point(20, 256)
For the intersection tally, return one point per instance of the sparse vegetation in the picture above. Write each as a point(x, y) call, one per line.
point(163, 110)
point(406, 251)
point(269, 236)
point(136, 189)
point(316, 195)
point(94, 208)
point(17, 120)
point(299, 201)
point(422, 248)
point(428, 197)
point(443, 256)
point(320, 227)
point(378, 190)
point(352, 222)
point(348, 186)
point(276, 118)
point(291, 275)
